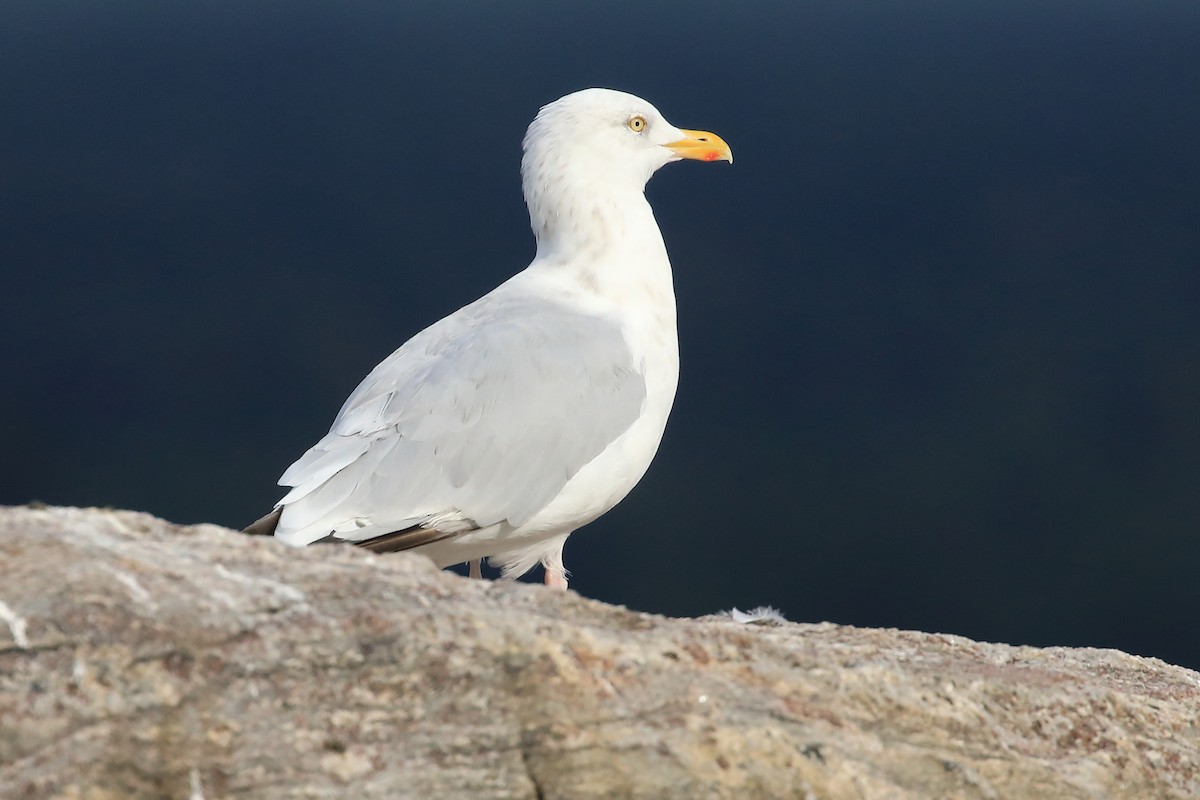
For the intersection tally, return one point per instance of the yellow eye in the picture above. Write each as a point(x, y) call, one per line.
point(637, 123)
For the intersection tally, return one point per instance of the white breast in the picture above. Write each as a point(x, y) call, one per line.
point(634, 287)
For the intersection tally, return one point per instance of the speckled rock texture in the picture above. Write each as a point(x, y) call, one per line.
point(140, 659)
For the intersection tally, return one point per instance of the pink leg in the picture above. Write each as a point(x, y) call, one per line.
point(552, 564)
point(475, 569)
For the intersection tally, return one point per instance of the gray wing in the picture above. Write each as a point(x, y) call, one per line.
point(482, 417)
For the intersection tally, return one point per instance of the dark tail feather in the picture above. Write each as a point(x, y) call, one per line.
point(404, 540)
point(387, 543)
point(266, 525)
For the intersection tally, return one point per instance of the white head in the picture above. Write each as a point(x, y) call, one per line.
point(598, 146)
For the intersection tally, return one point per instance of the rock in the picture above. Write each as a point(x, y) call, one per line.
point(140, 659)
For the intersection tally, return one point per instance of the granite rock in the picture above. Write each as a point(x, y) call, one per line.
point(141, 659)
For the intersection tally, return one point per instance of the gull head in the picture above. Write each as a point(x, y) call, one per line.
point(603, 144)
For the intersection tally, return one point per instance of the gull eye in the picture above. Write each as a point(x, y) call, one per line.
point(637, 123)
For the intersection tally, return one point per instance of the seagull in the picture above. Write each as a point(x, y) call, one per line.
point(499, 430)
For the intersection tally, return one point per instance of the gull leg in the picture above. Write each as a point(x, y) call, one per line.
point(552, 564)
point(475, 568)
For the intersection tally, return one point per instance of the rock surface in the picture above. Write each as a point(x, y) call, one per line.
point(140, 659)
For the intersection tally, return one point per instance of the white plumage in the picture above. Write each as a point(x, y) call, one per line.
point(502, 428)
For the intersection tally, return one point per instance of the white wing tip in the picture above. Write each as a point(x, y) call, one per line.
point(294, 538)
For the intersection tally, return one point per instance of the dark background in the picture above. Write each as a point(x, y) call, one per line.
point(939, 329)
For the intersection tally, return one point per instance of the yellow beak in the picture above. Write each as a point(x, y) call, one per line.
point(702, 146)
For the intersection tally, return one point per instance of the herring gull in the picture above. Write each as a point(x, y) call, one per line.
point(501, 429)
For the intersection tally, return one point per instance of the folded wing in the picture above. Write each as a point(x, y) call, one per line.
point(479, 419)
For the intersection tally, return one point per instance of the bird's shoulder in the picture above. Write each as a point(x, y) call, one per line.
point(516, 346)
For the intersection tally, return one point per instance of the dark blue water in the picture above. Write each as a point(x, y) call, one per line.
point(941, 348)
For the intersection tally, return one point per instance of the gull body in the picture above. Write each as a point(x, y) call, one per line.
point(504, 427)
